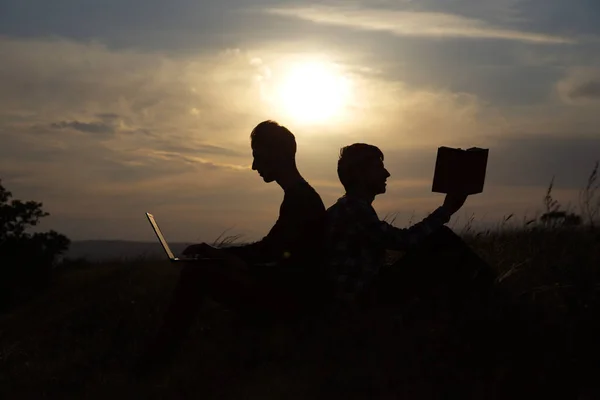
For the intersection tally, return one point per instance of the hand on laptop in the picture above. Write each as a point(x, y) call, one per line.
point(203, 250)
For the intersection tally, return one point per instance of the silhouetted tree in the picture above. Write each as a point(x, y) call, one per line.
point(26, 260)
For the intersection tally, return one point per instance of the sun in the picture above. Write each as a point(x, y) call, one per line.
point(313, 92)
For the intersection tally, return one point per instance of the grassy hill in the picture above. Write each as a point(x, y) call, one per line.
point(79, 338)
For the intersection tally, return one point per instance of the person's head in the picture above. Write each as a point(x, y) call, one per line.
point(360, 169)
point(273, 150)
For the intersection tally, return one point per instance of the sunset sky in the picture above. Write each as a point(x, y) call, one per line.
point(112, 108)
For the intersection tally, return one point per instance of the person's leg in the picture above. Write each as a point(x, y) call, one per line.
point(196, 282)
point(258, 294)
point(444, 285)
point(443, 269)
point(445, 261)
point(446, 251)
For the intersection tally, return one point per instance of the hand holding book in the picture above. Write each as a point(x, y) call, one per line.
point(453, 202)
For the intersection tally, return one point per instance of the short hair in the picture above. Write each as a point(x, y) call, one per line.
point(353, 159)
point(273, 136)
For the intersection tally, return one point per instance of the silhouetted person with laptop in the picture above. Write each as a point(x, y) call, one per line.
point(272, 278)
point(435, 259)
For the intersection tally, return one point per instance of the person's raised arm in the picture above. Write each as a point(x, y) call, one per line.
point(394, 238)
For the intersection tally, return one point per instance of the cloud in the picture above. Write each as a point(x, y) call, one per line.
point(91, 127)
point(205, 149)
point(580, 85)
point(397, 115)
point(138, 142)
point(586, 90)
point(187, 159)
point(108, 116)
point(412, 23)
point(85, 82)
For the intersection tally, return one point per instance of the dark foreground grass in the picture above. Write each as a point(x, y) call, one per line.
point(80, 338)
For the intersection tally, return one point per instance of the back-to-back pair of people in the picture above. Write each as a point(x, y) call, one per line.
point(315, 256)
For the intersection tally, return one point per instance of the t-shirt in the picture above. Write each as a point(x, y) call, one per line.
point(296, 239)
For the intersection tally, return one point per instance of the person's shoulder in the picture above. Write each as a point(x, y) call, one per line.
point(305, 194)
point(305, 189)
point(338, 204)
point(347, 205)
point(308, 190)
point(341, 205)
point(349, 201)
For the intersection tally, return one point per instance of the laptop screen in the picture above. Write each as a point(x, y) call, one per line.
point(160, 236)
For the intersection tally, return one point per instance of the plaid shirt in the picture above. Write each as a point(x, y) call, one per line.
point(357, 242)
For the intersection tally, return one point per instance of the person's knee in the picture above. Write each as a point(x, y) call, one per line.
point(447, 233)
point(441, 238)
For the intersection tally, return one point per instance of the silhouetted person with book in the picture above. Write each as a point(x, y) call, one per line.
point(272, 278)
point(435, 259)
point(437, 277)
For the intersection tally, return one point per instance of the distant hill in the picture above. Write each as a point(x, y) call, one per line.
point(103, 250)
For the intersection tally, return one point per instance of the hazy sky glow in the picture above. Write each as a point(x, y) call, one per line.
point(109, 109)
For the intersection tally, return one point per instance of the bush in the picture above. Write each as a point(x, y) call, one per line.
point(27, 260)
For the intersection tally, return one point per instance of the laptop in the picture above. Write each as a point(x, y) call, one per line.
point(166, 247)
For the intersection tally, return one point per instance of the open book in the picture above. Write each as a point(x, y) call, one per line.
point(460, 171)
